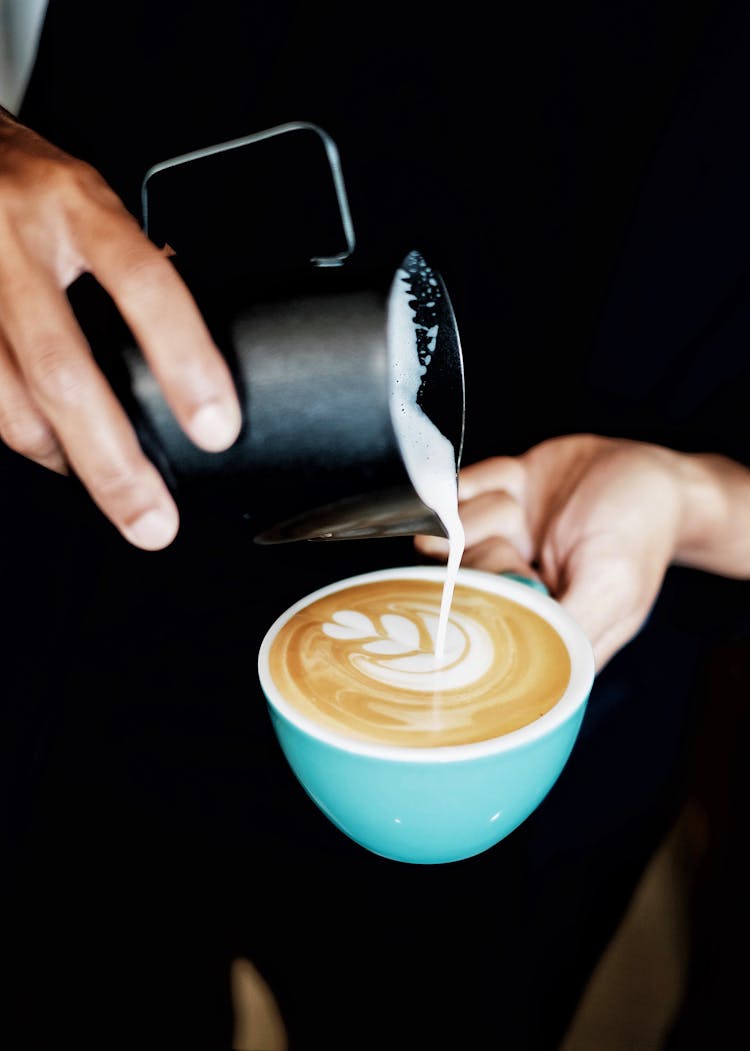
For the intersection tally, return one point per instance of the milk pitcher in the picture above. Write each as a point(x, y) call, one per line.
point(352, 393)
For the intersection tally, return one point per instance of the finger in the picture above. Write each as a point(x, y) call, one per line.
point(491, 514)
point(496, 514)
point(498, 555)
point(23, 428)
point(612, 640)
point(436, 547)
point(496, 473)
point(167, 324)
point(602, 594)
point(72, 394)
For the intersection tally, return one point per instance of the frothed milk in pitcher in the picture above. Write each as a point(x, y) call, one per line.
point(429, 457)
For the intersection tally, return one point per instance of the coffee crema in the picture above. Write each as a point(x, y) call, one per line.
point(362, 662)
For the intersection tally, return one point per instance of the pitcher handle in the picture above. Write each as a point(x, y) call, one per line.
point(334, 163)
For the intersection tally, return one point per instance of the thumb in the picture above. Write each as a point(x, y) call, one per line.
point(597, 595)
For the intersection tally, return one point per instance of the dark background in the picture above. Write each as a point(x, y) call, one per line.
point(578, 174)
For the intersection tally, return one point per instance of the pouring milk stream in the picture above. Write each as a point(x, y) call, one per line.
point(429, 456)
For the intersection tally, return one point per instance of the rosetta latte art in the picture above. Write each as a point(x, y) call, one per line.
point(395, 654)
point(362, 661)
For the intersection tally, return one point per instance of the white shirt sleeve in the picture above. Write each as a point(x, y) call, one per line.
point(20, 27)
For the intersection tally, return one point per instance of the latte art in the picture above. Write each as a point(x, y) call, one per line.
point(363, 662)
point(400, 649)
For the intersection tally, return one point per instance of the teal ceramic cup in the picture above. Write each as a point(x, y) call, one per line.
point(430, 803)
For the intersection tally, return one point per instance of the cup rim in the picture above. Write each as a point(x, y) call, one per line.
point(573, 699)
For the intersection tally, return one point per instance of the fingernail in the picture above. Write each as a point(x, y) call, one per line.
point(215, 425)
point(153, 530)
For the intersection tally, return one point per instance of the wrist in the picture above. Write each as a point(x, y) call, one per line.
point(715, 519)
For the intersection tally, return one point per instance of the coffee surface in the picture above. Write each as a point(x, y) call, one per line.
point(362, 661)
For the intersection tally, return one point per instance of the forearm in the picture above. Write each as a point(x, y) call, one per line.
point(715, 526)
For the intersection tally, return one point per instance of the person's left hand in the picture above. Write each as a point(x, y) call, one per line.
point(595, 519)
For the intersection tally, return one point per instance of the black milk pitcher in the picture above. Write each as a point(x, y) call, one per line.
point(318, 360)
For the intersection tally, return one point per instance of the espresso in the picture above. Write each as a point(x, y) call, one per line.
point(362, 661)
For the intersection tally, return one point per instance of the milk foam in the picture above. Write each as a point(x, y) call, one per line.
point(429, 456)
point(362, 661)
point(391, 655)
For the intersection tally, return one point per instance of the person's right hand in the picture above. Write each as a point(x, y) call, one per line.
point(58, 220)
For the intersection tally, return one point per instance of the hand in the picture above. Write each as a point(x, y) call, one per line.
point(59, 219)
point(598, 520)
